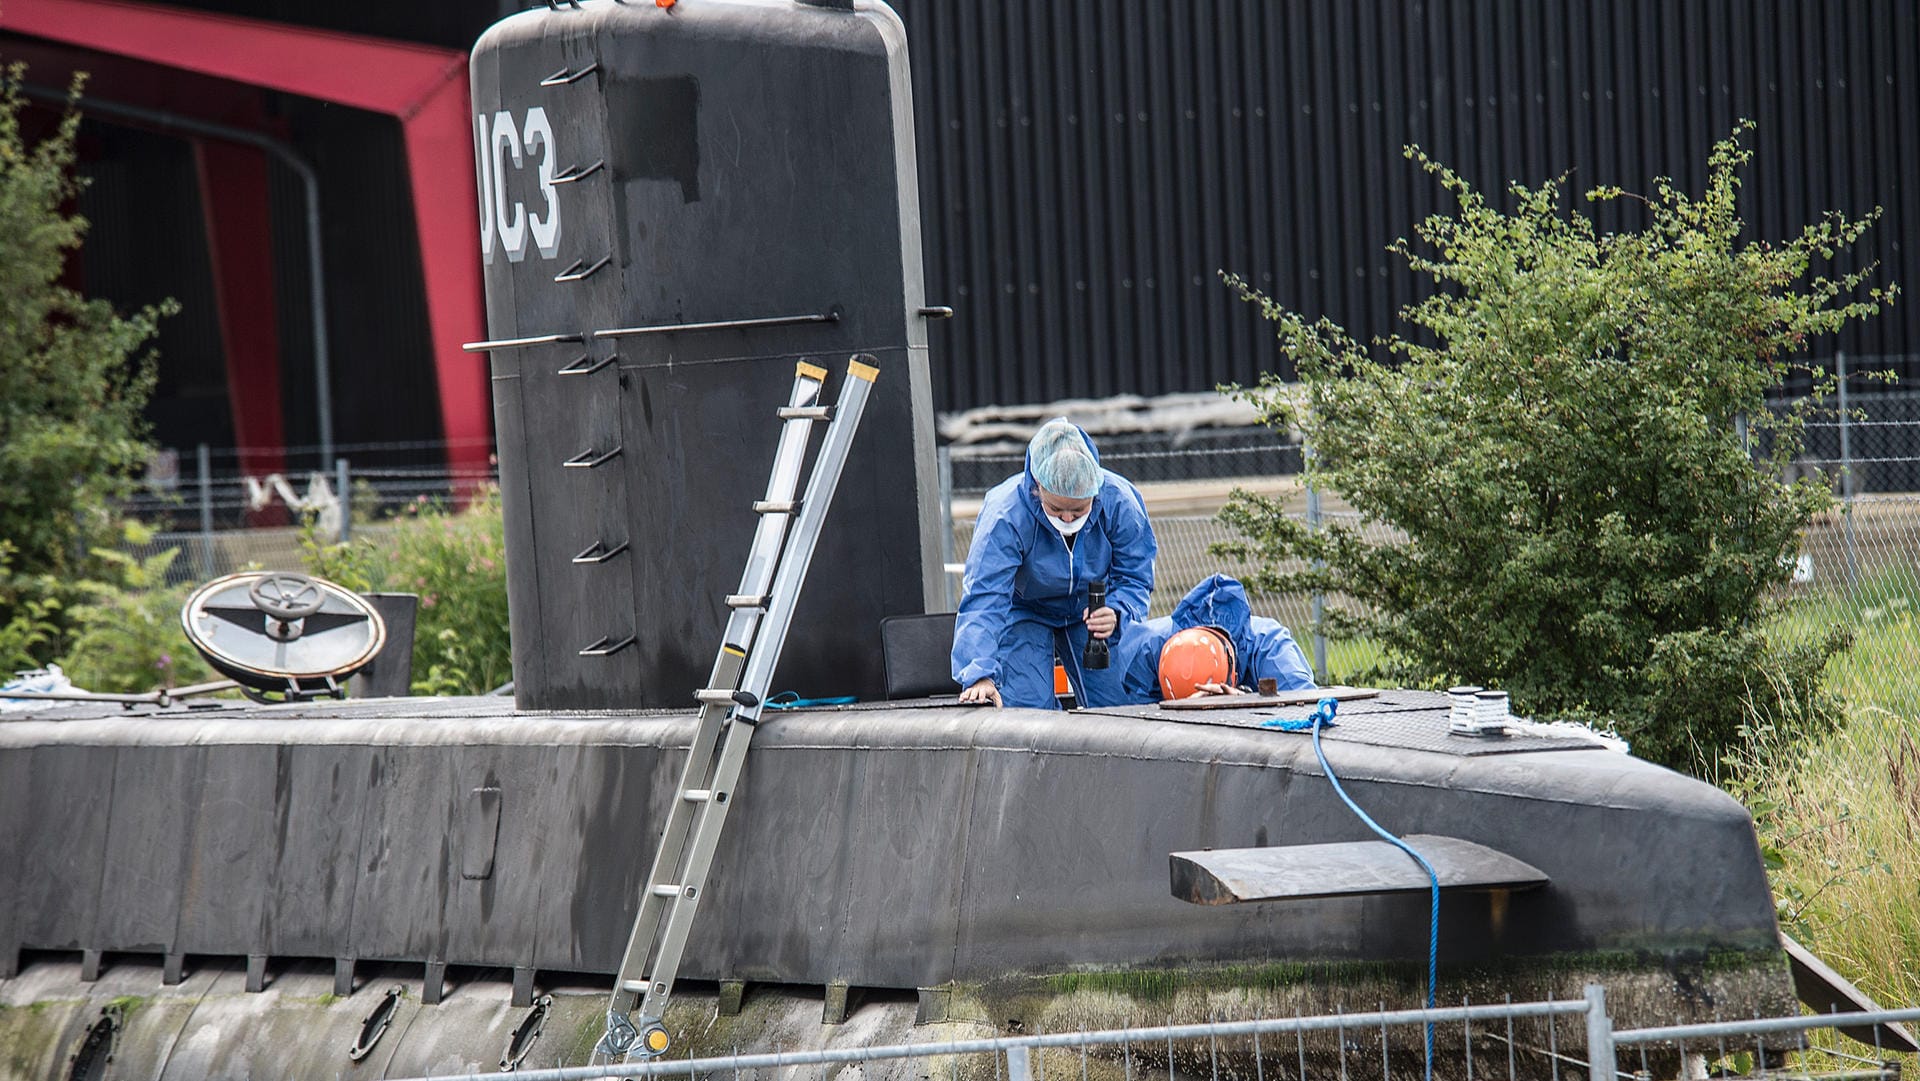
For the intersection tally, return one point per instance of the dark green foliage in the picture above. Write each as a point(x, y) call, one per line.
point(456, 563)
point(126, 636)
point(1575, 516)
point(71, 394)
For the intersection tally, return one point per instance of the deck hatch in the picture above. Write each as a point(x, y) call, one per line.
point(1353, 868)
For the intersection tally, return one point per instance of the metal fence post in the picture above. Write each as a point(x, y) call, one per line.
point(943, 456)
point(1846, 467)
point(204, 458)
point(1018, 1066)
point(1600, 1058)
point(341, 479)
point(1319, 598)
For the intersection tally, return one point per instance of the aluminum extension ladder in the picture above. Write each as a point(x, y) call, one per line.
point(731, 702)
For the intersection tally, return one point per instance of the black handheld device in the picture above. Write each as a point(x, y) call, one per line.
point(1095, 655)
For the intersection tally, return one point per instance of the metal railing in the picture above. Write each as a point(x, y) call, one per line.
point(1296, 1048)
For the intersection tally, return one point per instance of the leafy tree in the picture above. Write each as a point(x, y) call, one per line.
point(71, 391)
point(1558, 454)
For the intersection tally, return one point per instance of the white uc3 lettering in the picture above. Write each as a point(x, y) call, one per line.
point(503, 151)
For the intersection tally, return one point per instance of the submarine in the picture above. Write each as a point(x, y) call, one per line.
point(680, 205)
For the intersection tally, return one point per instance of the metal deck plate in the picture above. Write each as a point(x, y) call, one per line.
point(1416, 720)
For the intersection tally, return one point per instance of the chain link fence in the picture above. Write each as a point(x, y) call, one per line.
point(214, 490)
point(1575, 1039)
point(1860, 560)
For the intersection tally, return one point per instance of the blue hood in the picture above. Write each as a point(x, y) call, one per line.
point(1219, 601)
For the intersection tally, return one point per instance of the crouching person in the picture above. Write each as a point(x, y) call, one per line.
point(1044, 537)
point(1211, 644)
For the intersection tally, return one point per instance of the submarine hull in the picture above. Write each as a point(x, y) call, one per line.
point(232, 881)
point(895, 847)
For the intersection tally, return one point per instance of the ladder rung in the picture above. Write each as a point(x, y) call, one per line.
point(715, 695)
point(666, 889)
point(697, 795)
point(635, 987)
point(767, 506)
point(805, 412)
point(746, 600)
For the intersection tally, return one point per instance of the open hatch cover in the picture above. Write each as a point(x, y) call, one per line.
point(276, 632)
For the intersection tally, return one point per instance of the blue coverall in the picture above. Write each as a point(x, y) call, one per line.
point(1025, 590)
point(1263, 647)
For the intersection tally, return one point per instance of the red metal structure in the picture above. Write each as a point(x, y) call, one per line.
point(218, 69)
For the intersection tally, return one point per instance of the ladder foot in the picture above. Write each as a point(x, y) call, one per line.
point(654, 1040)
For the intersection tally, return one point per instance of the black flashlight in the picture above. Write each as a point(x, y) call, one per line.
point(1096, 652)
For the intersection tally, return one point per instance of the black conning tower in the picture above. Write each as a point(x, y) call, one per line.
point(649, 170)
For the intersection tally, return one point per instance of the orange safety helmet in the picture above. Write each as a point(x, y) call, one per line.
point(1194, 656)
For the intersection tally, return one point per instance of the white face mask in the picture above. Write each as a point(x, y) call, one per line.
point(1068, 529)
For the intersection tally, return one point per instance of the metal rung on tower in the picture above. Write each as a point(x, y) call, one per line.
point(761, 613)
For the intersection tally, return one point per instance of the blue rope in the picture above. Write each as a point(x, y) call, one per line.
point(792, 700)
point(1321, 717)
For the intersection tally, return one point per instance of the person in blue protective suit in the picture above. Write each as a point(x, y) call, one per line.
point(1263, 648)
point(1043, 536)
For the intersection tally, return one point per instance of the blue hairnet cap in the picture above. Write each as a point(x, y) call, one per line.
point(1061, 460)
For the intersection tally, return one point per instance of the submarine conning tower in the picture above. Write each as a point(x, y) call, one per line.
point(677, 205)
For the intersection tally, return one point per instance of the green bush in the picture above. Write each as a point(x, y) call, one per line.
point(71, 391)
point(456, 563)
point(127, 636)
point(1558, 449)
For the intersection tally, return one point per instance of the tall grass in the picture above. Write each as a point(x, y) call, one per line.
point(1839, 814)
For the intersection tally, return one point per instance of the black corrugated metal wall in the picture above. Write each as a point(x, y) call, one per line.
point(1087, 166)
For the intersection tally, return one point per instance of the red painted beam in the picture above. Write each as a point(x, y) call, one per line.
point(439, 141)
point(425, 88)
point(348, 69)
point(236, 208)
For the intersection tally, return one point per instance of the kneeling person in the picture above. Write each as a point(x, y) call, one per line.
point(1211, 644)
